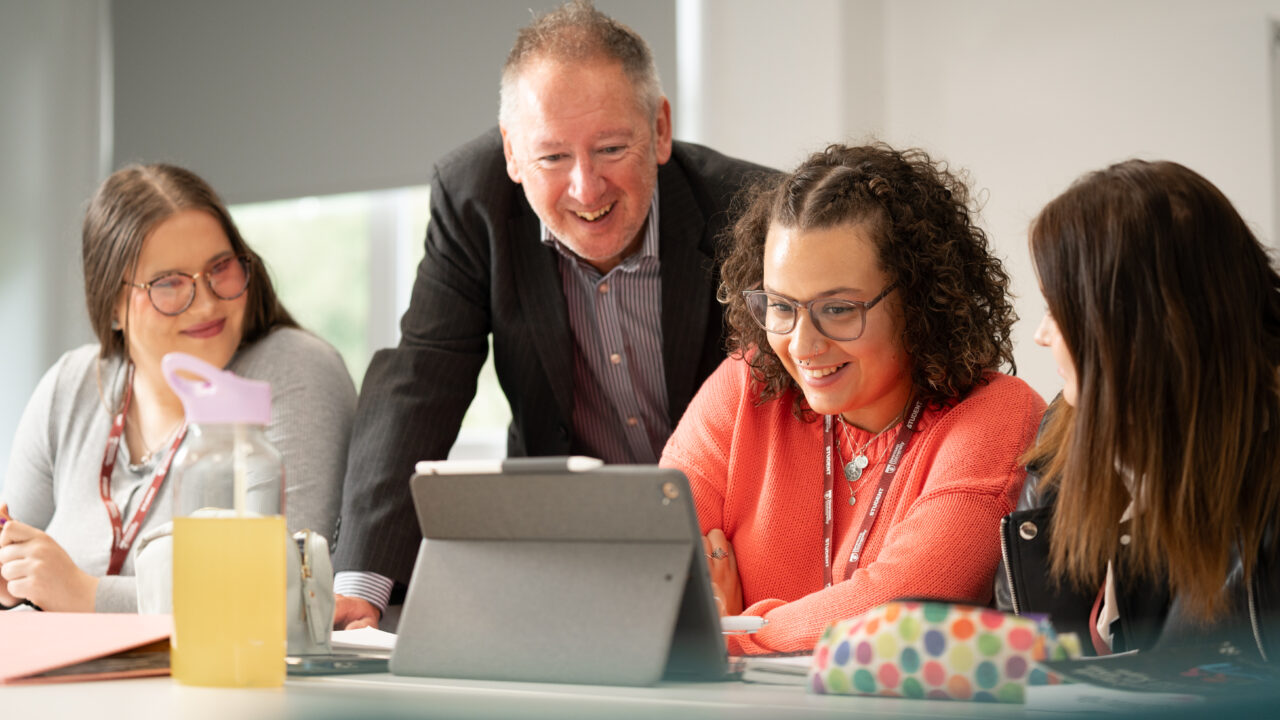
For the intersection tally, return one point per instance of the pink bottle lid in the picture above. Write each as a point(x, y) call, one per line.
point(217, 396)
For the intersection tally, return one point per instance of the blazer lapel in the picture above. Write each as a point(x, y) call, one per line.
point(538, 283)
point(687, 273)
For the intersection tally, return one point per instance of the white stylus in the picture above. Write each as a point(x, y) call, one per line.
point(532, 465)
point(733, 624)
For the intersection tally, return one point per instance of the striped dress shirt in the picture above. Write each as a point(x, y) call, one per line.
point(619, 385)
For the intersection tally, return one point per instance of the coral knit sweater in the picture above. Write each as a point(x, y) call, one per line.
point(757, 473)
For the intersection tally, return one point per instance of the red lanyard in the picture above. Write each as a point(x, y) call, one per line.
point(1100, 645)
point(122, 537)
point(886, 479)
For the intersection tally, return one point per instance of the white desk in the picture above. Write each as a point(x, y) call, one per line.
point(386, 696)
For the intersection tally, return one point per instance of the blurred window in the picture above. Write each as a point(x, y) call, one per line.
point(344, 266)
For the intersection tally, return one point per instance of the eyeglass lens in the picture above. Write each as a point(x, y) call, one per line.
point(837, 319)
point(227, 279)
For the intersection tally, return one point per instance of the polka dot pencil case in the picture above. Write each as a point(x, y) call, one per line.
point(937, 650)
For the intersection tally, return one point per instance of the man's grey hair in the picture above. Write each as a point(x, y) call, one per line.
point(578, 32)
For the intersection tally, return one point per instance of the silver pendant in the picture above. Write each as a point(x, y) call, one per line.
point(852, 472)
point(853, 468)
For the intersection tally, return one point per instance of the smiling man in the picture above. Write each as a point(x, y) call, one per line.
point(582, 238)
point(586, 154)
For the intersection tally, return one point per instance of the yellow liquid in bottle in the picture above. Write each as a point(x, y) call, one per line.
point(229, 601)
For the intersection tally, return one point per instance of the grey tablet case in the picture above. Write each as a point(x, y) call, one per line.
point(591, 577)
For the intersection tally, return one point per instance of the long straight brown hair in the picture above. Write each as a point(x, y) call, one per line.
point(1170, 308)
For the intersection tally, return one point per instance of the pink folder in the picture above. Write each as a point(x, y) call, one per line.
point(39, 647)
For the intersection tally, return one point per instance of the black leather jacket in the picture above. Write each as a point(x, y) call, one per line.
point(1149, 617)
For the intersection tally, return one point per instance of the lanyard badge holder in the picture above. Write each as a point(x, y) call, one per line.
point(900, 444)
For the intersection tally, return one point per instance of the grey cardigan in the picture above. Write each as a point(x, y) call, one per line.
point(51, 482)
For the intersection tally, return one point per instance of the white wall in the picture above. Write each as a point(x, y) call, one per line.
point(51, 104)
point(1031, 95)
point(773, 81)
point(1025, 95)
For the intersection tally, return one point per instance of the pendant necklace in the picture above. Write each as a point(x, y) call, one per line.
point(859, 462)
point(149, 451)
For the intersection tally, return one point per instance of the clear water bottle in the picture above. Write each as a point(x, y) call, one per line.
point(229, 533)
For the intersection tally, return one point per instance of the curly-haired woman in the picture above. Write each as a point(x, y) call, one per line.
point(859, 444)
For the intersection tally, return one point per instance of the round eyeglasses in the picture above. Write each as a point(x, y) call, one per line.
point(171, 294)
point(837, 319)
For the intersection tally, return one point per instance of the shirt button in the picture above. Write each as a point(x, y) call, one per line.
point(633, 421)
point(615, 358)
point(603, 288)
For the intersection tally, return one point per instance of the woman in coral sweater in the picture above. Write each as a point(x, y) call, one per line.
point(859, 444)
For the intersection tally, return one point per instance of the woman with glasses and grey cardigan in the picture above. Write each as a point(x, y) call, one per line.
point(859, 445)
point(165, 270)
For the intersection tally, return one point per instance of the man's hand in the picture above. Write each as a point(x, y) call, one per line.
point(723, 564)
point(351, 613)
point(35, 568)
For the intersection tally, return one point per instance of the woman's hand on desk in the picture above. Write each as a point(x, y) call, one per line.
point(724, 572)
point(352, 613)
point(35, 568)
point(6, 599)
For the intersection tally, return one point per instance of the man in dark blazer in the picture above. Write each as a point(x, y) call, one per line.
point(547, 234)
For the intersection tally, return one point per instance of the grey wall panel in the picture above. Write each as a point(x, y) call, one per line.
point(287, 98)
point(52, 97)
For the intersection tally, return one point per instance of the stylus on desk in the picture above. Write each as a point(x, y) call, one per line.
point(734, 624)
point(510, 466)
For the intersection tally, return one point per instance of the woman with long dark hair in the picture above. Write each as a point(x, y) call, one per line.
point(1150, 511)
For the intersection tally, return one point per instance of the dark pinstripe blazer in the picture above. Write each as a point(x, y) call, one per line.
point(487, 272)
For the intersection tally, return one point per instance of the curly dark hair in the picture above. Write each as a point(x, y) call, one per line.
point(953, 290)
